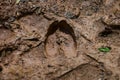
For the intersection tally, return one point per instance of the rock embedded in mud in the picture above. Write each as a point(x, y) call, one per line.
point(69, 15)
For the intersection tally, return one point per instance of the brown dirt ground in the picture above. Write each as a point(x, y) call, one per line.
point(59, 39)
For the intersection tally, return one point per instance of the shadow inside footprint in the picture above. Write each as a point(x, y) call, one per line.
point(52, 29)
point(66, 28)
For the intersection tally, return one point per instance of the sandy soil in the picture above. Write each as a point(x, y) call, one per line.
point(59, 39)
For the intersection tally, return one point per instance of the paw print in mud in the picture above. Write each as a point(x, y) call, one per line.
point(60, 40)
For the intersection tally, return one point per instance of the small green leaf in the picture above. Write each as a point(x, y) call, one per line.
point(104, 49)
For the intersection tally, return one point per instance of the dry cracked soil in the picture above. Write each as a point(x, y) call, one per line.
point(59, 39)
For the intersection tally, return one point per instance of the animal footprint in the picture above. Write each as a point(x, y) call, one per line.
point(60, 36)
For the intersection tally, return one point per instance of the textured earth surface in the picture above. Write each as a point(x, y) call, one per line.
point(59, 39)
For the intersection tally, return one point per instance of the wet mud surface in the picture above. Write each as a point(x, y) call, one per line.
point(59, 40)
